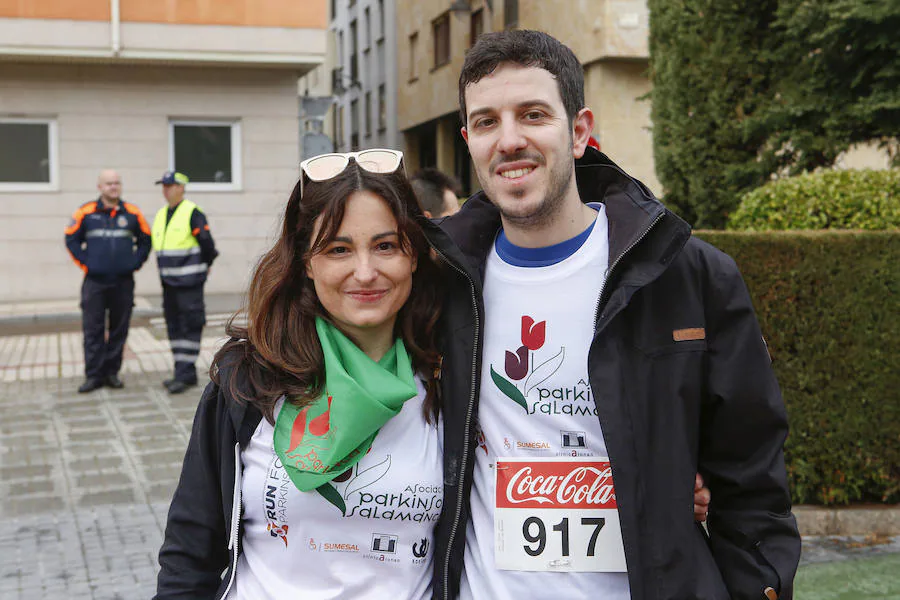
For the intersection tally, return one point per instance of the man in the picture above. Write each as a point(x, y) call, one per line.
point(184, 252)
point(437, 192)
point(109, 240)
point(600, 357)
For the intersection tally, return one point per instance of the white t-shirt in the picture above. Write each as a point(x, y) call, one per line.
point(299, 545)
point(545, 360)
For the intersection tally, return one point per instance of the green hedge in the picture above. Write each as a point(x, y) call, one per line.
point(829, 306)
point(864, 199)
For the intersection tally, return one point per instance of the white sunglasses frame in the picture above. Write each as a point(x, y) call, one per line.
point(347, 156)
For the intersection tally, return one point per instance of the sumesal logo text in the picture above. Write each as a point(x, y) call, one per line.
point(555, 484)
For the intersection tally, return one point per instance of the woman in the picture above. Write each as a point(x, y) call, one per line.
point(314, 465)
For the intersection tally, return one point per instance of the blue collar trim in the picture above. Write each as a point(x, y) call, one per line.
point(518, 256)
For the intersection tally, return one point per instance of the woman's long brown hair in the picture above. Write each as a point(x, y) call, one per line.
point(278, 352)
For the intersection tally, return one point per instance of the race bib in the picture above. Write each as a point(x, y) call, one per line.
point(555, 514)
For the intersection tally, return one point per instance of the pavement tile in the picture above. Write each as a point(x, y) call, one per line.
point(95, 463)
point(34, 486)
point(88, 435)
point(15, 507)
point(24, 472)
point(120, 496)
point(110, 479)
point(93, 423)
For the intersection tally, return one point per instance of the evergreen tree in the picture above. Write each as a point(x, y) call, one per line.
point(745, 89)
point(839, 80)
point(708, 81)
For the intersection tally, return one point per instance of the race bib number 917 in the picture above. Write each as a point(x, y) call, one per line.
point(555, 514)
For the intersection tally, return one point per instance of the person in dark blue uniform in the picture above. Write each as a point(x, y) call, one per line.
point(184, 251)
point(109, 240)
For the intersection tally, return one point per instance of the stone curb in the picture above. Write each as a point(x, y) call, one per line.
point(68, 317)
point(848, 521)
point(63, 321)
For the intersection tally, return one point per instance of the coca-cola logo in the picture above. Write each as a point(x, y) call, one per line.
point(555, 484)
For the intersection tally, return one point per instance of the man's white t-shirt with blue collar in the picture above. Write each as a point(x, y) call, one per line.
point(543, 509)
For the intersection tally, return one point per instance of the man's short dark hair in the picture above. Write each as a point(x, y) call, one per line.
point(429, 185)
point(528, 49)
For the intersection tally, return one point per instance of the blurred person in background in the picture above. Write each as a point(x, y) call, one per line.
point(437, 192)
point(184, 253)
point(109, 240)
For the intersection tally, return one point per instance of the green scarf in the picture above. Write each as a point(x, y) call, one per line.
point(325, 438)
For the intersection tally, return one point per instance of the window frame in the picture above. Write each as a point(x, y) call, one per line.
point(476, 21)
point(510, 14)
point(381, 25)
point(354, 125)
point(443, 20)
point(367, 109)
point(236, 183)
point(382, 108)
point(52, 156)
point(340, 129)
point(354, 51)
point(413, 56)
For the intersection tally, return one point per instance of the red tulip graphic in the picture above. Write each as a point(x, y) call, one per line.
point(533, 334)
point(321, 424)
point(517, 364)
point(298, 430)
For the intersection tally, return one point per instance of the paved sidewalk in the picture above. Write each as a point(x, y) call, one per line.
point(60, 355)
point(86, 479)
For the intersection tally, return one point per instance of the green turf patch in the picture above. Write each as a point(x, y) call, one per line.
point(875, 578)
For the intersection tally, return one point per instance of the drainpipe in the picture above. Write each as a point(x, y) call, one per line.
point(114, 27)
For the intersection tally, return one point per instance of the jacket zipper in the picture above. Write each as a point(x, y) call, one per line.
point(609, 272)
point(465, 454)
point(619, 258)
point(235, 518)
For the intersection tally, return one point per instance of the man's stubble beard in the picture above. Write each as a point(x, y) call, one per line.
point(547, 210)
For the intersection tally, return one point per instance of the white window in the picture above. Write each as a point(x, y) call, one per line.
point(29, 159)
point(208, 152)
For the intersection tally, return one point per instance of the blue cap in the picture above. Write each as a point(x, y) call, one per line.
point(173, 178)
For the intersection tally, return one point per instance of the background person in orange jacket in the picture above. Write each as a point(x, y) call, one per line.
point(109, 239)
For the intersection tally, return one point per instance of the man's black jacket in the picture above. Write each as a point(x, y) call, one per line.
point(682, 382)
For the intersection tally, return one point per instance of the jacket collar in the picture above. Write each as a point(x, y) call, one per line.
point(103, 208)
point(631, 207)
point(242, 418)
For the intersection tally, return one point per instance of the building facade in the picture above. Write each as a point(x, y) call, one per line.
point(362, 55)
point(209, 89)
point(610, 37)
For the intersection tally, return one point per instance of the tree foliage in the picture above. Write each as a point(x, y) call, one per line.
point(744, 89)
point(839, 80)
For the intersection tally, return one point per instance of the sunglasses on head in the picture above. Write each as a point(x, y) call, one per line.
point(326, 166)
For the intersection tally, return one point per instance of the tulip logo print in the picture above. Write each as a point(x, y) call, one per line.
point(520, 365)
point(319, 428)
point(356, 478)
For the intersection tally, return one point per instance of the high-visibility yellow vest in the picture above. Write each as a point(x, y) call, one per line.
point(177, 250)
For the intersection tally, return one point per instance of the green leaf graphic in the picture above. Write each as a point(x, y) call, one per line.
point(509, 390)
point(329, 493)
point(366, 478)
